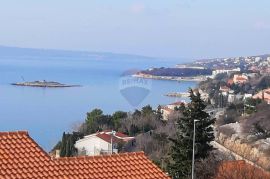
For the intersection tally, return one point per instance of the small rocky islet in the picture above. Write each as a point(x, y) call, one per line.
point(45, 84)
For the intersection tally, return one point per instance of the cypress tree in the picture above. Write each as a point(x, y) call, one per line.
point(63, 146)
point(182, 145)
point(159, 113)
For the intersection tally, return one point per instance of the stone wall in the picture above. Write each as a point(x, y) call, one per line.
point(245, 150)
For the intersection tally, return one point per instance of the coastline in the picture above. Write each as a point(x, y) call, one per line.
point(172, 78)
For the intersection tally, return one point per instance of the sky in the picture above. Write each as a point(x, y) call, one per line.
point(158, 28)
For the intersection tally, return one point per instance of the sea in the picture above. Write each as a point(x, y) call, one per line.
point(105, 84)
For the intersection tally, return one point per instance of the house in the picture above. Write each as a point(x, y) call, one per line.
point(231, 97)
point(224, 90)
point(176, 104)
point(166, 112)
point(101, 143)
point(238, 169)
point(264, 95)
point(240, 78)
point(252, 75)
point(22, 158)
point(247, 95)
point(230, 82)
point(254, 68)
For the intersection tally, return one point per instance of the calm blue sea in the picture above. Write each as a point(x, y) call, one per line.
point(47, 113)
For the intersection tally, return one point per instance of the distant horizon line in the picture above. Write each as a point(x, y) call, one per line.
point(89, 51)
point(128, 54)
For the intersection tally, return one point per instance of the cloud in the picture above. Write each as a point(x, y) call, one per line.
point(262, 25)
point(137, 8)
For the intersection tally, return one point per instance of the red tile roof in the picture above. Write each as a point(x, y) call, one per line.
point(22, 158)
point(107, 138)
point(178, 103)
point(118, 134)
point(230, 81)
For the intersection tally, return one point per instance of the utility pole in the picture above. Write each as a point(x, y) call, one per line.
point(193, 151)
point(112, 134)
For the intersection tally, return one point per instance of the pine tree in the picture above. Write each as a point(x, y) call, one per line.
point(181, 151)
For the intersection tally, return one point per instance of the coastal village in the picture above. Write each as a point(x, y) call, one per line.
point(135, 89)
point(135, 145)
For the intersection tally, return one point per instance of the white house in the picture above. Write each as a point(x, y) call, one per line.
point(268, 59)
point(166, 112)
point(101, 143)
point(231, 96)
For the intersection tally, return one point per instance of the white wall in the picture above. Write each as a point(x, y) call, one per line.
point(89, 144)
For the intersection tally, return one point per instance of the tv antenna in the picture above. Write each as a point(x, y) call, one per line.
point(23, 78)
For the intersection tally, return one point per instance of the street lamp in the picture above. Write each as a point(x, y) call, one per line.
point(193, 151)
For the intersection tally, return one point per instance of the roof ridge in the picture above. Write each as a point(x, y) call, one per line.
point(101, 156)
point(34, 142)
point(22, 132)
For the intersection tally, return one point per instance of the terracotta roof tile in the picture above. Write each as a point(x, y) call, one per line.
point(22, 158)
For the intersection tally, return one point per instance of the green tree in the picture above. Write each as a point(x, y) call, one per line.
point(181, 108)
point(133, 130)
point(147, 110)
point(91, 116)
point(181, 150)
point(91, 119)
point(137, 114)
point(63, 145)
point(117, 116)
point(67, 148)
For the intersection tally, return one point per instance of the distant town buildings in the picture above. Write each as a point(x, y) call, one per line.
point(240, 78)
point(188, 66)
point(224, 70)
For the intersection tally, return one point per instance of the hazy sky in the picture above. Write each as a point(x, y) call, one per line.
point(161, 28)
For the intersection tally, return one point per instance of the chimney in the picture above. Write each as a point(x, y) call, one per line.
point(57, 153)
